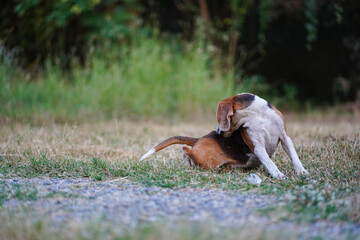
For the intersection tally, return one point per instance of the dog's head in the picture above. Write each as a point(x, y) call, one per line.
point(226, 113)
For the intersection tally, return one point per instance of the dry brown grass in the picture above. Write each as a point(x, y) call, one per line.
point(115, 141)
point(111, 141)
point(329, 150)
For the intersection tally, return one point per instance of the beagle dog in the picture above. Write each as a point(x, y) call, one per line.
point(264, 127)
point(213, 150)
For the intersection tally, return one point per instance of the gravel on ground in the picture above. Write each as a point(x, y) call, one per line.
point(129, 204)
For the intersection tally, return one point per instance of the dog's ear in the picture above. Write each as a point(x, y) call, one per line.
point(223, 114)
point(243, 100)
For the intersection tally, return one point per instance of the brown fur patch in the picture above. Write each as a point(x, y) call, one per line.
point(228, 106)
point(176, 140)
point(208, 154)
point(247, 139)
point(213, 150)
point(224, 111)
point(280, 114)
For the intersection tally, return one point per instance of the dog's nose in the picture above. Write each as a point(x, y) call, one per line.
point(218, 131)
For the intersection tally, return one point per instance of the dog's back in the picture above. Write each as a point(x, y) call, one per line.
point(234, 147)
point(213, 150)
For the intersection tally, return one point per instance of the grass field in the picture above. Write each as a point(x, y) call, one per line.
point(329, 150)
point(96, 121)
point(148, 79)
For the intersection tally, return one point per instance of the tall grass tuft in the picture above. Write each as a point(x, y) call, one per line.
point(148, 78)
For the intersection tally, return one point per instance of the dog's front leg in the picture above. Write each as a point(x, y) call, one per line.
point(260, 152)
point(270, 166)
point(288, 146)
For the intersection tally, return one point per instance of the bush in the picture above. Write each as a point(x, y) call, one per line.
point(34, 31)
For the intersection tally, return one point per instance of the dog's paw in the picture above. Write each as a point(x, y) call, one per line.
point(302, 172)
point(186, 159)
point(280, 176)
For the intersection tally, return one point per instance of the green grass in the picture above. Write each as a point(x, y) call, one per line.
point(313, 202)
point(16, 191)
point(306, 199)
point(173, 175)
point(27, 192)
point(148, 78)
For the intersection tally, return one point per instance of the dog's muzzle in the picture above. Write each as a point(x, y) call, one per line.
point(218, 131)
point(223, 133)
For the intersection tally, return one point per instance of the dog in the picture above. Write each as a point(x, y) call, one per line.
point(265, 128)
point(214, 150)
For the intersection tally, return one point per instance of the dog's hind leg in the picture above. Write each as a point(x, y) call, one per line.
point(288, 146)
point(187, 156)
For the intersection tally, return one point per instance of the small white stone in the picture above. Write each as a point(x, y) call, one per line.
point(254, 179)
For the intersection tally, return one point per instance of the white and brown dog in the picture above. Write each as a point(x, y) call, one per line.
point(213, 150)
point(248, 132)
point(264, 125)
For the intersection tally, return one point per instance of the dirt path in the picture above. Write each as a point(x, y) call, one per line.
point(127, 204)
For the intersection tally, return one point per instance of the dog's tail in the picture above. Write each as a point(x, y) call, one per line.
point(170, 141)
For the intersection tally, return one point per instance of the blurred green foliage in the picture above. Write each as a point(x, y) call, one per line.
point(36, 30)
point(312, 22)
point(310, 46)
point(143, 80)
